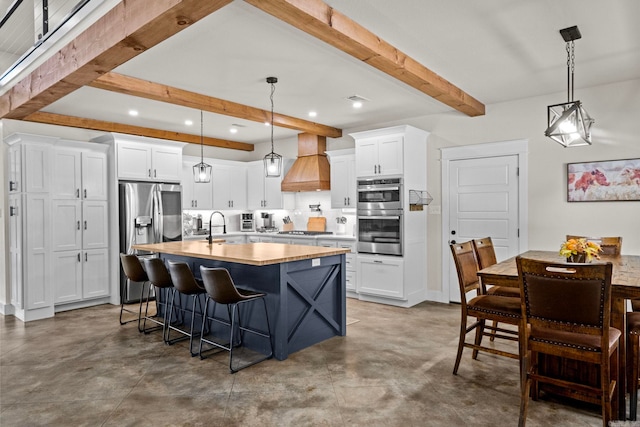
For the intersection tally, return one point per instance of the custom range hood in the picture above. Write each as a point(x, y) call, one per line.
point(311, 170)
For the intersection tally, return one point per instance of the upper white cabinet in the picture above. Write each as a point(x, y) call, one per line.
point(29, 163)
point(147, 162)
point(79, 174)
point(343, 178)
point(229, 185)
point(262, 192)
point(380, 155)
point(145, 159)
point(195, 195)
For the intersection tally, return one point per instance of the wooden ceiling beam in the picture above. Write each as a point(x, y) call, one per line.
point(79, 122)
point(127, 30)
point(320, 20)
point(158, 92)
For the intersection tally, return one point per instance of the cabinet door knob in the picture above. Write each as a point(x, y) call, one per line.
point(196, 202)
point(78, 256)
point(77, 193)
point(13, 211)
point(78, 225)
point(377, 262)
point(86, 257)
point(85, 193)
point(154, 173)
point(149, 173)
point(13, 185)
point(85, 225)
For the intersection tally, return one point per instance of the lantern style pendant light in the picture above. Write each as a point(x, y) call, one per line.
point(568, 123)
point(202, 171)
point(272, 161)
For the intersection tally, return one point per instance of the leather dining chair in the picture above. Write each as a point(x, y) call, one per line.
point(482, 307)
point(567, 310)
point(134, 271)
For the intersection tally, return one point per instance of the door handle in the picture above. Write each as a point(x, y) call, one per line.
point(77, 193)
point(149, 173)
point(13, 185)
point(85, 225)
point(13, 211)
point(377, 261)
point(85, 193)
point(86, 257)
point(78, 225)
point(78, 256)
point(154, 173)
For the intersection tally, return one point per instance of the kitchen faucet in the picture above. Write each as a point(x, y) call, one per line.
point(224, 225)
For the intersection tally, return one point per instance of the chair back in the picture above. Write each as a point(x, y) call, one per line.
point(574, 298)
point(219, 285)
point(183, 279)
point(158, 273)
point(485, 253)
point(133, 268)
point(609, 245)
point(467, 268)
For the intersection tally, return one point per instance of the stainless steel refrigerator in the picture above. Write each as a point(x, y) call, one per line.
point(149, 213)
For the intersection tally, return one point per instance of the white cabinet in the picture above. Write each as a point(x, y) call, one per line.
point(229, 185)
point(380, 276)
point(234, 240)
point(80, 223)
point(350, 259)
point(262, 239)
point(195, 195)
point(142, 161)
point(262, 192)
point(343, 179)
point(381, 155)
point(29, 163)
point(79, 174)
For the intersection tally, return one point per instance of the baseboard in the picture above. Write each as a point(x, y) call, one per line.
point(7, 309)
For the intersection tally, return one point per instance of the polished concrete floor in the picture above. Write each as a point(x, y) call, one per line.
point(392, 369)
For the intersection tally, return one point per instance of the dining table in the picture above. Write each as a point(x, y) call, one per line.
point(625, 284)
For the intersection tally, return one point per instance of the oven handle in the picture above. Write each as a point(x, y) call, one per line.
point(379, 217)
point(362, 190)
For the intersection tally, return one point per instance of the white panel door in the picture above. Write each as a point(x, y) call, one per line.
point(66, 276)
point(37, 163)
point(255, 186)
point(38, 292)
point(390, 156)
point(15, 249)
point(167, 164)
point(134, 161)
point(94, 176)
point(15, 169)
point(95, 273)
point(66, 225)
point(95, 227)
point(366, 157)
point(483, 202)
point(66, 174)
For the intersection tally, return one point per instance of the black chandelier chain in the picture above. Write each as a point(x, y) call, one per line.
point(570, 69)
point(201, 137)
point(273, 89)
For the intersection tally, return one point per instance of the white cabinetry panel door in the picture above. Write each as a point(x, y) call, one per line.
point(66, 223)
point(67, 276)
point(94, 176)
point(95, 273)
point(95, 225)
point(66, 174)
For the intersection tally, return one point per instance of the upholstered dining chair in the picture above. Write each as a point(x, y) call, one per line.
point(486, 255)
point(609, 245)
point(567, 310)
point(482, 307)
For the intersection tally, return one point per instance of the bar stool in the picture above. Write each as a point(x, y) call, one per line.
point(133, 270)
point(160, 279)
point(221, 290)
point(186, 284)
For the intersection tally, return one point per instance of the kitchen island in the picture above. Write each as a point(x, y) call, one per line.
point(305, 286)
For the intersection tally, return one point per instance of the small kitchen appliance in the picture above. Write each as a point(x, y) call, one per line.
point(246, 222)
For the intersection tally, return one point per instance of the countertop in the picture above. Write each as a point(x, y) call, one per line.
point(342, 237)
point(247, 253)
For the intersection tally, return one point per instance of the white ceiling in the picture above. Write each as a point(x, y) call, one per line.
point(495, 50)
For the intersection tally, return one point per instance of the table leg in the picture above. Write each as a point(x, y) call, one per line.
point(618, 321)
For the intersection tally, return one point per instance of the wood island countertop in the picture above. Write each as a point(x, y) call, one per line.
point(248, 253)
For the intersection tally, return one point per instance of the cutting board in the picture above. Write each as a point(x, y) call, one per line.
point(318, 223)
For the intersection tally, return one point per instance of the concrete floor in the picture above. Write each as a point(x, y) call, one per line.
point(392, 369)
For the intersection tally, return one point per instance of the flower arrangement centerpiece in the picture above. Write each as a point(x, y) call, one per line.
point(580, 250)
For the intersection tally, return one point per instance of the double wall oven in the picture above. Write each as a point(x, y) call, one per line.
point(380, 219)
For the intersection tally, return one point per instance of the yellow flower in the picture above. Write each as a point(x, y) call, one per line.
point(580, 246)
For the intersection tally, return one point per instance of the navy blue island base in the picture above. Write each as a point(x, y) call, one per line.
point(306, 299)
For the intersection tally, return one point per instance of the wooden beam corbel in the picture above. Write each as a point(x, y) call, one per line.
point(320, 20)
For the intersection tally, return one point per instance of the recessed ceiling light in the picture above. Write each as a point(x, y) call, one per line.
point(357, 104)
point(312, 114)
point(357, 101)
point(188, 122)
point(267, 124)
point(133, 113)
point(233, 129)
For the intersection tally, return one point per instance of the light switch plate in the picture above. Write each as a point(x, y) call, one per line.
point(315, 262)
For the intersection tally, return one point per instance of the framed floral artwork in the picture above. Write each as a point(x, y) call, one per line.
point(603, 181)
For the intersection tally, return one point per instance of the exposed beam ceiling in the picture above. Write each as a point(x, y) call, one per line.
point(124, 32)
point(159, 92)
point(322, 21)
point(79, 122)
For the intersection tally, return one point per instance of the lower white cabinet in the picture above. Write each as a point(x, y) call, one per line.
point(350, 259)
point(80, 275)
point(95, 273)
point(257, 239)
point(234, 240)
point(380, 276)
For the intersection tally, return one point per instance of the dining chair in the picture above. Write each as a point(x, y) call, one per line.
point(160, 279)
point(486, 255)
point(609, 245)
point(566, 313)
point(482, 307)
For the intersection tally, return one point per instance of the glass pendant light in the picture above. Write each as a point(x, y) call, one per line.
point(568, 123)
point(202, 171)
point(272, 161)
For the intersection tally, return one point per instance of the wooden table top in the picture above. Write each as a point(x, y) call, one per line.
point(625, 281)
point(248, 253)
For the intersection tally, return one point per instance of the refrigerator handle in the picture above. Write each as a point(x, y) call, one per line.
point(130, 216)
point(157, 214)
